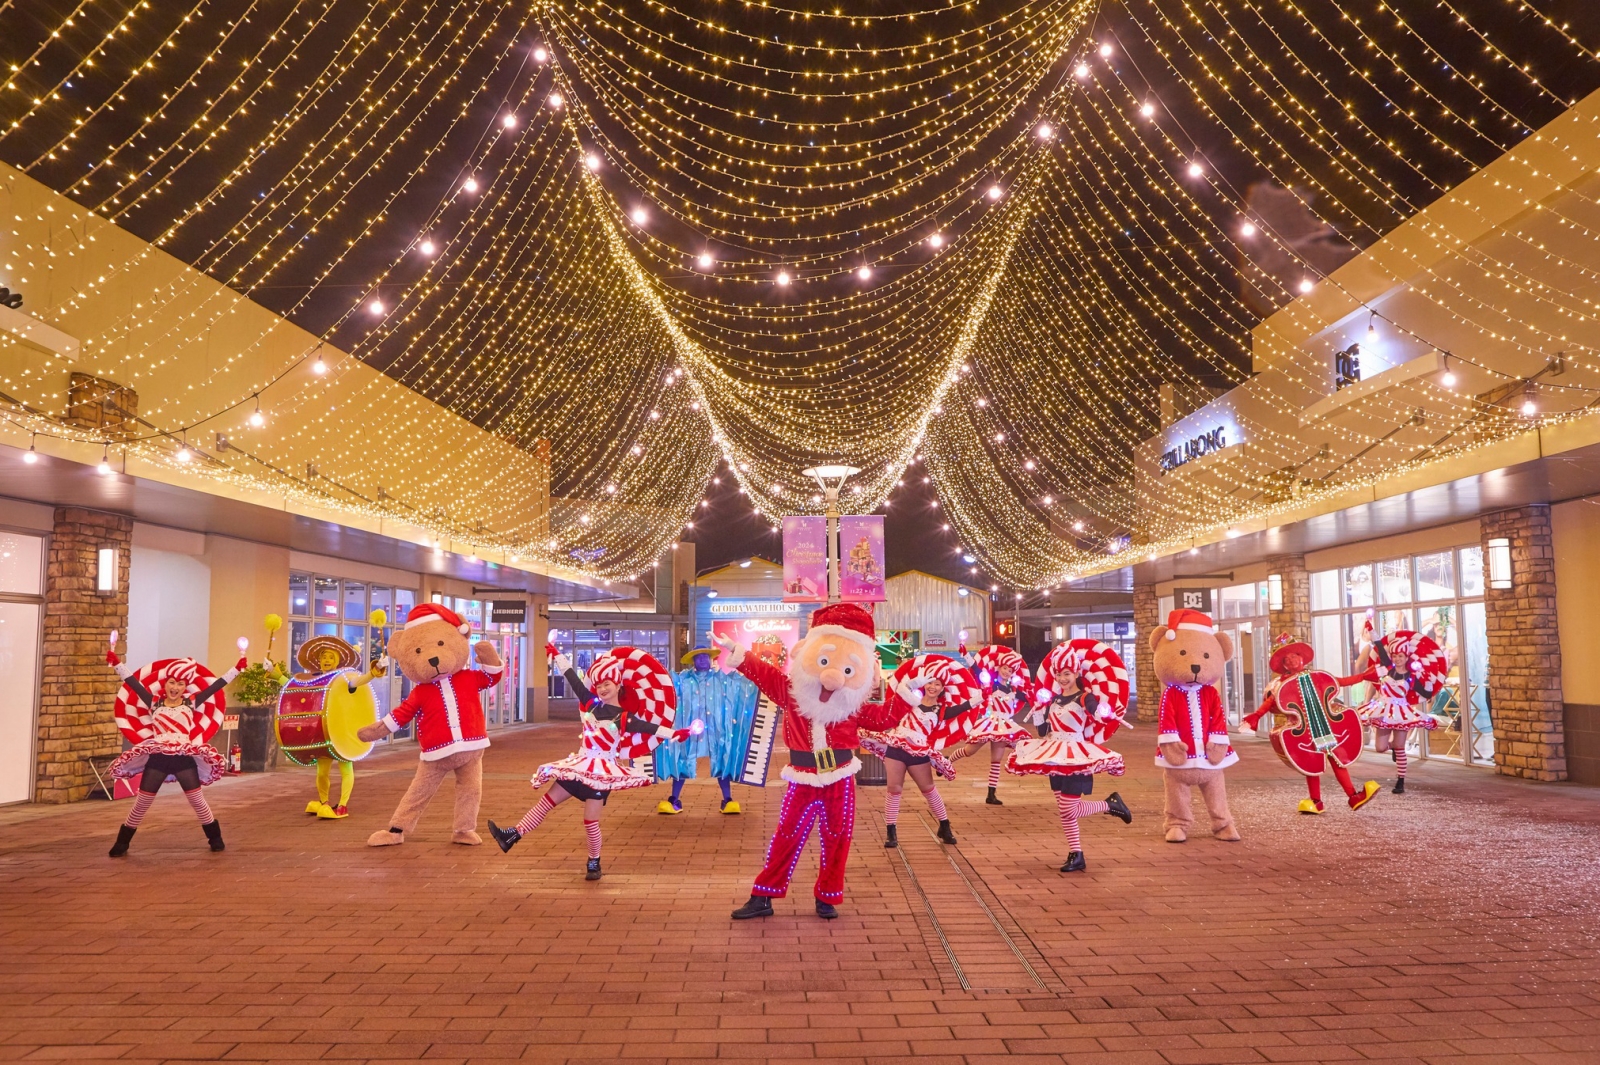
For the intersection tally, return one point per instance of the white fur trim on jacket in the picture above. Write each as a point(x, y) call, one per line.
point(799, 775)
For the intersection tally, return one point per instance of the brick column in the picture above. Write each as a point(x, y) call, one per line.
point(1295, 617)
point(1146, 616)
point(1525, 648)
point(78, 691)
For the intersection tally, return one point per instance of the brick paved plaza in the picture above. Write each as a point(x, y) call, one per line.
point(1456, 922)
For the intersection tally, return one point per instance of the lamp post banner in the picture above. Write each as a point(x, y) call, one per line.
point(861, 558)
point(805, 559)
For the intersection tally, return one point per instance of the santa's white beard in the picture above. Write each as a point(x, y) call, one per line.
point(807, 690)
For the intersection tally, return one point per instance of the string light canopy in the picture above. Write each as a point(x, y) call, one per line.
point(660, 237)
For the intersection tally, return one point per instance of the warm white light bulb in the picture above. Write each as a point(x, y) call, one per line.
point(30, 456)
point(1529, 407)
point(592, 161)
point(509, 122)
point(540, 55)
point(1105, 51)
point(469, 185)
point(706, 261)
point(427, 247)
point(640, 216)
point(1048, 500)
point(1044, 132)
point(257, 419)
point(1195, 170)
point(864, 272)
point(1306, 285)
point(783, 277)
point(1247, 229)
point(557, 101)
point(1081, 70)
point(104, 468)
point(1077, 526)
point(1148, 110)
point(183, 454)
point(376, 306)
point(1449, 379)
point(319, 367)
point(995, 192)
point(936, 241)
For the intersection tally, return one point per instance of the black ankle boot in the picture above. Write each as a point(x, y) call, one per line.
point(506, 837)
point(1074, 863)
point(758, 906)
point(945, 835)
point(1117, 808)
point(214, 834)
point(893, 841)
point(1400, 786)
point(993, 799)
point(826, 910)
point(124, 837)
point(592, 871)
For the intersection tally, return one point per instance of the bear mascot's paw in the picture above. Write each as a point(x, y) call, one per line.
point(373, 732)
point(1176, 754)
point(1216, 752)
point(1227, 834)
point(1177, 835)
point(466, 839)
point(385, 838)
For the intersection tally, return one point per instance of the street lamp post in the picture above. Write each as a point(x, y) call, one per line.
point(831, 479)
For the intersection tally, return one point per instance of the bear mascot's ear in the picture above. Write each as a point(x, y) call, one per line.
point(1157, 634)
point(1227, 646)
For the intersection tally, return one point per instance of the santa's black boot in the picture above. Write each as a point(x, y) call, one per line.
point(1075, 863)
point(826, 910)
point(993, 799)
point(758, 906)
point(893, 841)
point(945, 835)
point(124, 837)
point(214, 834)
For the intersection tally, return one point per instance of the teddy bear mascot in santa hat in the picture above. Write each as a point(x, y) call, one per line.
point(831, 674)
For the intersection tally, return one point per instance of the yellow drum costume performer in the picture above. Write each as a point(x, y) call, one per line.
point(320, 710)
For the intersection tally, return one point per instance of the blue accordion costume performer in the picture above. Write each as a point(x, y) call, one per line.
point(726, 703)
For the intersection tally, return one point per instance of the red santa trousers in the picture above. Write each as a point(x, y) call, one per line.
point(803, 806)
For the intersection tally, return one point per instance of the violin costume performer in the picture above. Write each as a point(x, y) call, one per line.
point(1004, 677)
point(831, 672)
point(1088, 687)
point(1406, 668)
point(1313, 731)
point(628, 709)
point(320, 709)
point(725, 705)
point(939, 703)
point(170, 733)
point(433, 651)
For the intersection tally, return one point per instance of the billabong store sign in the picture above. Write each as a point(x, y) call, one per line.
point(1195, 447)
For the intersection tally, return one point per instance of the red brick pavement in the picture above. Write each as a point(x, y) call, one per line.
point(1453, 923)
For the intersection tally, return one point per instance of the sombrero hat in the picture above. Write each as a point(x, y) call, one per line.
point(311, 651)
point(1286, 645)
point(688, 656)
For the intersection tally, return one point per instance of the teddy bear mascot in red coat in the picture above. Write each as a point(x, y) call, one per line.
point(831, 674)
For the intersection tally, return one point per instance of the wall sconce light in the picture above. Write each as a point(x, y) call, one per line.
point(105, 571)
point(1274, 591)
point(1059, 632)
point(1500, 563)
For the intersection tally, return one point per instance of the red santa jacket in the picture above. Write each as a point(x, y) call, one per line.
point(448, 712)
point(807, 740)
point(1193, 714)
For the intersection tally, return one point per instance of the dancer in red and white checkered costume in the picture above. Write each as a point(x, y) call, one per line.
point(1405, 668)
point(1086, 686)
point(831, 672)
point(1004, 676)
point(939, 703)
point(627, 709)
point(171, 734)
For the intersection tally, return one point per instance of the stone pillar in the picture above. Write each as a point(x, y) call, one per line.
point(1295, 617)
point(538, 661)
point(1146, 616)
point(1525, 648)
point(79, 689)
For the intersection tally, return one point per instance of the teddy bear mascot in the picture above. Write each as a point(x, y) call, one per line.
point(432, 651)
point(1313, 731)
point(1192, 746)
point(831, 674)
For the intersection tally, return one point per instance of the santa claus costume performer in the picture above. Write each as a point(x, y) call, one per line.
point(170, 734)
point(939, 703)
point(1004, 677)
point(627, 709)
point(1086, 685)
point(831, 672)
point(1405, 668)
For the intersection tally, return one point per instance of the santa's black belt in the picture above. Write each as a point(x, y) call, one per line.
point(825, 760)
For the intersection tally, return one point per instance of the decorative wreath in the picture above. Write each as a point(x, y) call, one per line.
point(960, 686)
point(1098, 668)
point(136, 721)
point(647, 690)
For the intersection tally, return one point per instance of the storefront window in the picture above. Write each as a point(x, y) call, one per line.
point(325, 598)
point(355, 601)
point(327, 606)
point(299, 595)
point(1419, 594)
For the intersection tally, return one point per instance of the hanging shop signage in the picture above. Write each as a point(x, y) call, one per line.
point(1192, 599)
point(1195, 447)
point(740, 608)
point(508, 611)
point(805, 558)
point(861, 558)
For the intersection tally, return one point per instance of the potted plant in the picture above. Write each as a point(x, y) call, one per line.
point(255, 691)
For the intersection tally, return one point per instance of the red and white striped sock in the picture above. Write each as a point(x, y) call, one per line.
point(202, 809)
point(535, 817)
point(592, 830)
point(1090, 807)
point(1068, 807)
point(936, 804)
point(141, 806)
point(994, 774)
point(1400, 758)
point(891, 808)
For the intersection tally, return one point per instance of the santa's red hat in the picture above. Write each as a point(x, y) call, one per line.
point(1192, 620)
point(847, 620)
point(424, 613)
